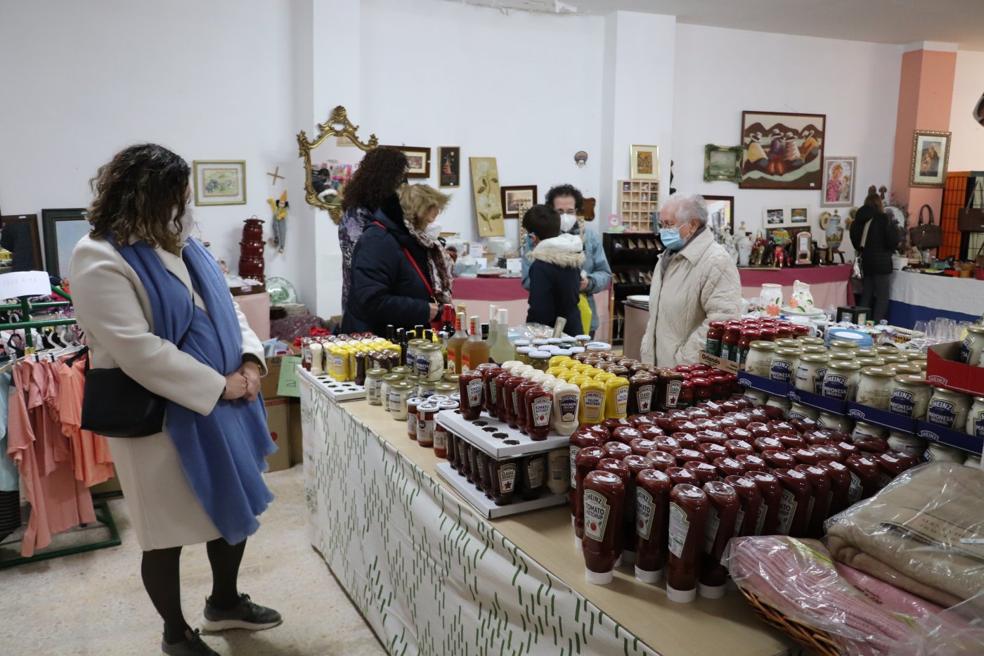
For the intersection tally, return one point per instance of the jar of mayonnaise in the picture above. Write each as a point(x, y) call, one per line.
point(972, 346)
point(907, 443)
point(810, 371)
point(840, 381)
point(875, 387)
point(759, 360)
point(948, 409)
point(910, 396)
point(975, 418)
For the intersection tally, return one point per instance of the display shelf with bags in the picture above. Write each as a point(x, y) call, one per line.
point(632, 257)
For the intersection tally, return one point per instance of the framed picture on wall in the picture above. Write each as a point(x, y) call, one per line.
point(644, 162)
point(517, 199)
point(839, 174)
point(720, 212)
point(418, 161)
point(722, 163)
point(219, 182)
point(19, 235)
point(775, 216)
point(782, 150)
point(930, 153)
point(799, 216)
point(62, 231)
point(488, 200)
point(449, 159)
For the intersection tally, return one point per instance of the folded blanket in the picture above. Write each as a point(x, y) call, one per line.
point(923, 533)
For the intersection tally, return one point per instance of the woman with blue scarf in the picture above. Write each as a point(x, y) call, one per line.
point(153, 303)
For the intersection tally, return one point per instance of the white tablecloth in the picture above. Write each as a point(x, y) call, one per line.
point(964, 295)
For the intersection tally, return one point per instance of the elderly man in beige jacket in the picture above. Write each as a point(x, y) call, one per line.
point(695, 282)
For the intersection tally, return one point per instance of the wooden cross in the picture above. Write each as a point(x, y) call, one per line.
point(275, 175)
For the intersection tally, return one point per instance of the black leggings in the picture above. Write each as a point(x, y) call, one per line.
point(160, 570)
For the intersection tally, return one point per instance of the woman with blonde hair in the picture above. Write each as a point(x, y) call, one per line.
point(400, 275)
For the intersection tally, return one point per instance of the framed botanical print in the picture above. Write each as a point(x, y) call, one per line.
point(782, 150)
point(418, 161)
point(219, 182)
point(517, 199)
point(449, 161)
point(722, 163)
point(839, 174)
point(644, 162)
point(930, 154)
point(488, 200)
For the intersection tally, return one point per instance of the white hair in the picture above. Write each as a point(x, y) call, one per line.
point(687, 208)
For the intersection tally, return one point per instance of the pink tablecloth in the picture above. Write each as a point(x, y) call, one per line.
point(830, 285)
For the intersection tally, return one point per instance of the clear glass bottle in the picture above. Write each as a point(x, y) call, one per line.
point(455, 344)
point(502, 349)
point(475, 350)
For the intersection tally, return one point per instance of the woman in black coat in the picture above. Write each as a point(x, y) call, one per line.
point(389, 280)
point(882, 241)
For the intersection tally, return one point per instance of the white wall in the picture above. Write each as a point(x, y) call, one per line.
point(210, 80)
point(720, 72)
point(523, 88)
point(967, 149)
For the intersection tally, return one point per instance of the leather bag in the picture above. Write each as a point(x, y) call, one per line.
point(925, 236)
point(115, 405)
point(971, 219)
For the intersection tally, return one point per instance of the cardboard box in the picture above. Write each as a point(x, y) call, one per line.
point(945, 370)
point(278, 421)
point(268, 386)
point(296, 433)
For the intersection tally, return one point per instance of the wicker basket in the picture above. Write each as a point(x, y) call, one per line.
point(814, 639)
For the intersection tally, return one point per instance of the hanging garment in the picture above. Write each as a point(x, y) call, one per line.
point(90, 452)
point(44, 459)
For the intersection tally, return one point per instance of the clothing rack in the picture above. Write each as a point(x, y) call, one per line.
point(100, 502)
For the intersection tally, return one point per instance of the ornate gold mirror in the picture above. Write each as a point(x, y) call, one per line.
point(330, 159)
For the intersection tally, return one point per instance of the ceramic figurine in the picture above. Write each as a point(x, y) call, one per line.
point(279, 208)
point(744, 246)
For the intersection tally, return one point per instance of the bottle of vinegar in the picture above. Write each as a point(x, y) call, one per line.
point(455, 343)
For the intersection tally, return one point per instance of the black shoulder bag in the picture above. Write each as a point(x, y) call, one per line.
point(115, 405)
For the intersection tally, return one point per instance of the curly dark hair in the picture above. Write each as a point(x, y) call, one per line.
point(542, 221)
point(380, 174)
point(566, 190)
point(142, 192)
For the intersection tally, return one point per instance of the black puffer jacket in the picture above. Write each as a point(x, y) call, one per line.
point(884, 237)
point(386, 288)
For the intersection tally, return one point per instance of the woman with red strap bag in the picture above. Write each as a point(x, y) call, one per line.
point(400, 274)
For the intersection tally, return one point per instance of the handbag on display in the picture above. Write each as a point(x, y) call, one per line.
point(925, 236)
point(857, 272)
point(115, 405)
point(971, 219)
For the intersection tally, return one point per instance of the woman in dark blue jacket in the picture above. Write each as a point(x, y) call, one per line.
point(389, 280)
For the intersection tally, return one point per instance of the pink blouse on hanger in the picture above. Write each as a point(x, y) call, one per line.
point(93, 461)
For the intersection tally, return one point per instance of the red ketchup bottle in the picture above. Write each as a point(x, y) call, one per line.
point(806, 456)
point(846, 449)
point(586, 462)
point(820, 505)
point(652, 505)
point(688, 510)
point(865, 477)
point(751, 504)
point(604, 499)
point(722, 516)
point(667, 443)
point(736, 447)
point(827, 452)
point(620, 469)
point(533, 477)
point(519, 398)
point(625, 434)
point(794, 506)
point(635, 465)
point(893, 464)
point(509, 400)
point(688, 455)
point(752, 462)
point(704, 471)
point(539, 407)
point(767, 522)
point(505, 474)
point(660, 460)
point(501, 408)
point(763, 444)
point(840, 485)
point(642, 446)
point(470, 389)
point(617, 450)
point(580, 439)
point(490, 392)
point(779, 459)
point(679, 476)
point(728, 467)
point(713, 451)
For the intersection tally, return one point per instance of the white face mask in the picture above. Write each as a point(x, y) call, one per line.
point(433, 230)
point(567, 222)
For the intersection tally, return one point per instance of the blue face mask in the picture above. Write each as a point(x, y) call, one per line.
point(671, 238)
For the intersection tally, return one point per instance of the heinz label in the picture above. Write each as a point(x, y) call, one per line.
point(541, 411)
point(902, 402)
point(568, 403)
point(474, 392)
point(644, 399)
point(596, 510)
point(787, 510)
point(679, 528)
point(574, 451)
point(594, 401)
point(645, 511)
point(622, 400)
point(941, 413)
point(507, 477)
point(779, 371)
point(835, 387)
point(535, 472)
point(673, 393)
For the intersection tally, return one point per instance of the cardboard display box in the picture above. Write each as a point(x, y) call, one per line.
point(278, 421)
point(945, 370)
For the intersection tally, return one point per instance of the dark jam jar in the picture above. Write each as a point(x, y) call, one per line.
point(687, 392)
point(703, 389)
point(504, 476)
point(642, 393)
point(715, 333)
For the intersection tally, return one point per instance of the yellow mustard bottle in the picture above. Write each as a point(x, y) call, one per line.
point(616, 398)
point(592, 402)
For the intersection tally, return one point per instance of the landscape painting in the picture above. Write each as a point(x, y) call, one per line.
point(782, 151)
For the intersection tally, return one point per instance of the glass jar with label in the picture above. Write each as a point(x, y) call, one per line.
point(801, 411)
point(812, 341)
point(942, 453)
point(412, 404)
point(975, 418)
point(399, 394)
point(906, 443)
point(864, 430)
point(715, 332)
point(780, 402)
point(910, 396)
point(783, 364)
point(972, 346)
point(809, 372)
point(540, 360)
point(757, 397)
point(759, 359)
point(948, 409)
point(844, 346)
point(840, 381)
point(834, 422)
point(426, 413)
point(430, 362)
point(384, 387)
point(875, 387)
point(374, 379)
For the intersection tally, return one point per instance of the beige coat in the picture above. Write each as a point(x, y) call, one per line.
point(113, 309)
point(700, 285)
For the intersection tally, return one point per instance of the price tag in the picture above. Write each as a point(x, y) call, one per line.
point(24, 283)
point(287, 385)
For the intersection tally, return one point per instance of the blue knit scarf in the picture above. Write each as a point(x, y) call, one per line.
point(222, 454)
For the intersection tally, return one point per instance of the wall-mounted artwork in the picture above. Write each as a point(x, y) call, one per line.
point(720, 213)
point(775, 217)
point(516, 200)
point(722, 163)
point(488, 201)
point(62, 231)
point(644, 163)
point(219, 182)
point(839, 174)
point(930, 153)
point(799, 215)
point(418, 161)
point(782, 151)
point(449, 159)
